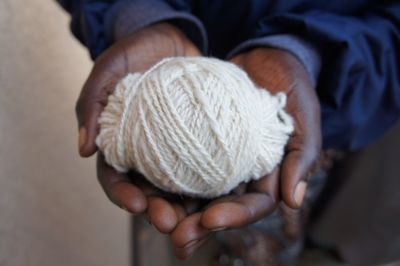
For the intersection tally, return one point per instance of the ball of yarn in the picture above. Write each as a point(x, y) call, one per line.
point(194, 126)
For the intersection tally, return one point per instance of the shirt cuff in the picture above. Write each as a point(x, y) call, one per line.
point(306, 53)
point(128, 16)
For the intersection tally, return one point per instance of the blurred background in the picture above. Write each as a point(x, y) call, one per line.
point(52, 210)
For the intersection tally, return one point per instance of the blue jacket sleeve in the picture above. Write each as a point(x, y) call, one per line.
point(97, 23)
point(359, 80)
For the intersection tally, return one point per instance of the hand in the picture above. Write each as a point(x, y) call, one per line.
point(277, 71)
point(134, 53)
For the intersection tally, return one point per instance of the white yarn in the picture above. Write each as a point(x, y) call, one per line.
point(195, 126)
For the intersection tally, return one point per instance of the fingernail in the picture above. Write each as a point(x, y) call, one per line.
point(300, 192)
point(218, 229)
point(82, 138)
point(191, 243)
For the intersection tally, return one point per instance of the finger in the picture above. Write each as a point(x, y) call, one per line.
point(192, 205)
point(268, 184)
point(179, 210)
point(187, 251)
point(246, 209)
point(145, 186)
point(240, 212)
point(161, 214)
point(119, 189)
point(295, 171)
point(227, 198)
point(93, 98)
point(188, 231)
point(241, 189)
point(237, 192)
point(293, 222)
point(186, 207)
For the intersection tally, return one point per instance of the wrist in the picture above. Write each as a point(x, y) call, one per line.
point(163, 37)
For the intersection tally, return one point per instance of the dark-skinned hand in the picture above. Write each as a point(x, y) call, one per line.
point(133, 53)
point(183, 218)
point(278, 71)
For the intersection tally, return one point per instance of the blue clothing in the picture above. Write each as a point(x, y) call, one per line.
point(351, 49)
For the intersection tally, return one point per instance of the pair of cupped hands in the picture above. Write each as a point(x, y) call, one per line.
point(190, 222)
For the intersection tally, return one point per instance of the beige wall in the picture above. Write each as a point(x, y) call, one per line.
point(52, 210)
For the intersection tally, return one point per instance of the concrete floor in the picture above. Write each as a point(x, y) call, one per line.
point(52, 210)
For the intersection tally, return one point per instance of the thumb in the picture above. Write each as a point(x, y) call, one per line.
point(296, 169)
point(87, 114)
point(90, 104)
point(108, 69)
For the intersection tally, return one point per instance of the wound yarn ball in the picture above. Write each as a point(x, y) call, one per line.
point(194, 126)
